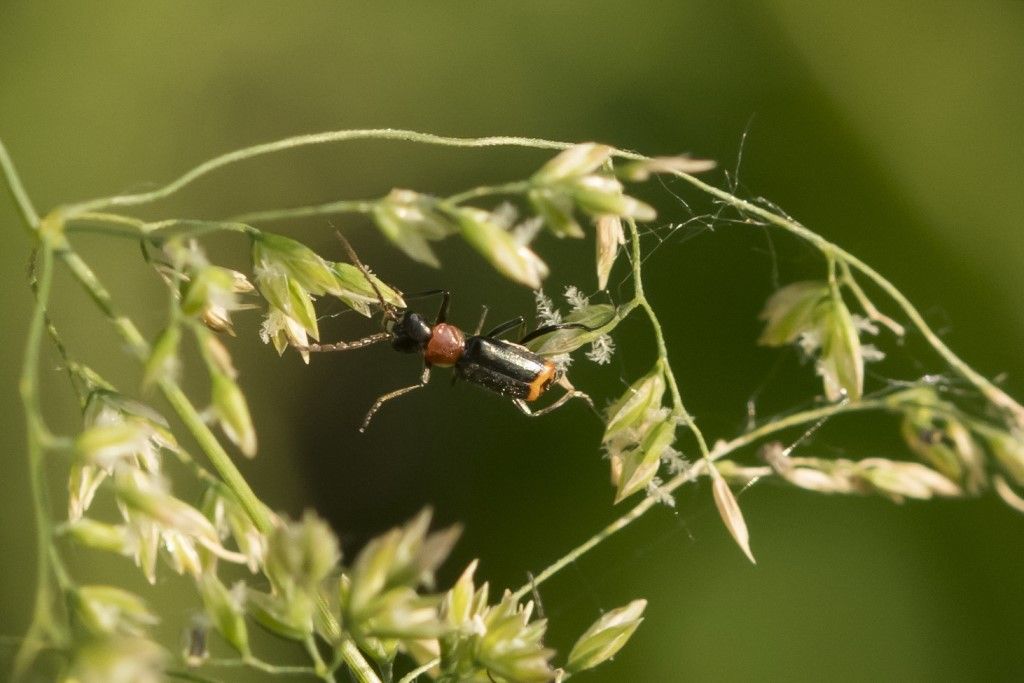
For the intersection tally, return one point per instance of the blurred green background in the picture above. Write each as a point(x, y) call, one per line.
point(894, 129)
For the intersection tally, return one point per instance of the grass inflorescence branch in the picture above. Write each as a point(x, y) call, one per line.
point(365, 614)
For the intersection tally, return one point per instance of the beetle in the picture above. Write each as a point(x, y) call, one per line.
point(501, 366)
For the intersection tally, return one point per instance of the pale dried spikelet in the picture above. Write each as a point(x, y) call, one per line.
point(602, 195)
point(515, 261)
point(610, 237)
point(409, 221)
point(729, 511)
point(639, 171)
point(575, 162)
point(893, 479)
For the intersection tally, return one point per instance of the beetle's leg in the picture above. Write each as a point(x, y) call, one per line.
point(442, 313)
point(571, 392)
point(563, 399)
point(563, 381)
point(346, 346)
point(424, 378)
point(480, 323)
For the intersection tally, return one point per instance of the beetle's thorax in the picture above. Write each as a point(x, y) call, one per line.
point(445, 346)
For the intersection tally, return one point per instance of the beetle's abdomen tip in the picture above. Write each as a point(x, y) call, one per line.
point(542, 381)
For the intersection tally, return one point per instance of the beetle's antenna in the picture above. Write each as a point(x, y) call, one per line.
point(389, 310)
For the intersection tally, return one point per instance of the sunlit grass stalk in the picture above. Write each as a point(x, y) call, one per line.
point(42, 628)
point(12, 180)
point(367, 205)
point(305, 141)
point(996, 395)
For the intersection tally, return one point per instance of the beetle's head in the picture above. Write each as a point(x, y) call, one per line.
point(409, 332)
